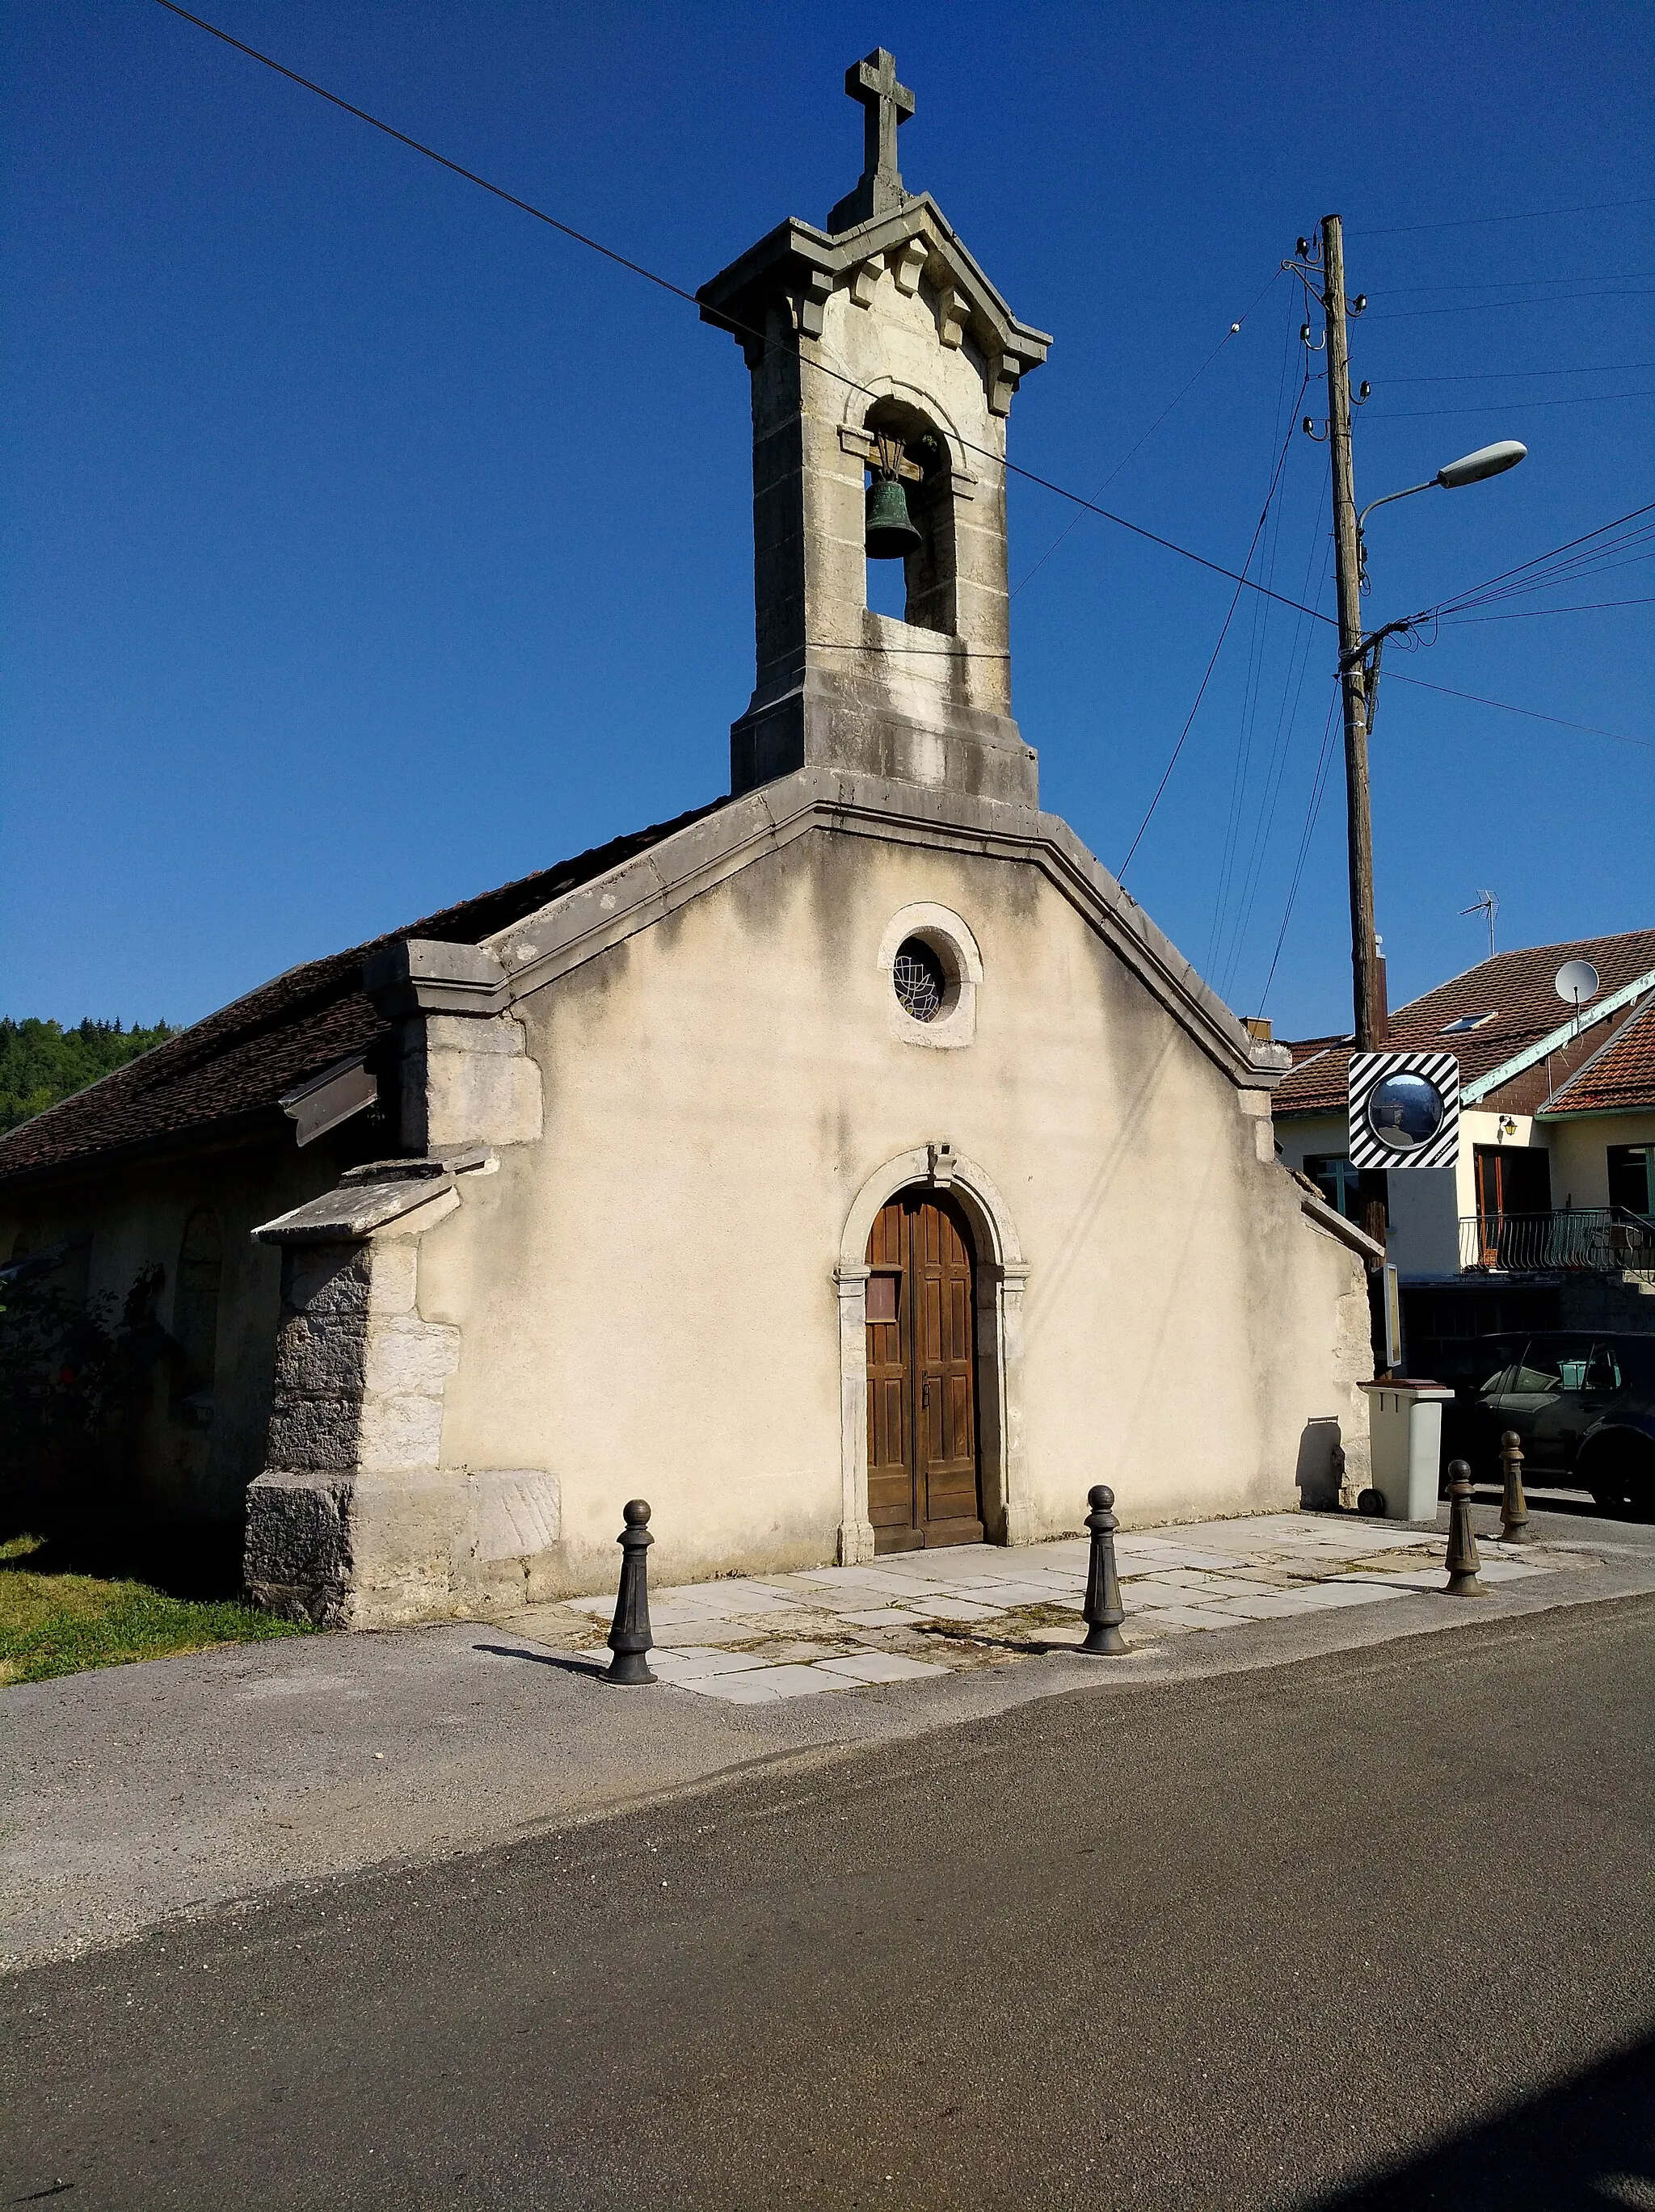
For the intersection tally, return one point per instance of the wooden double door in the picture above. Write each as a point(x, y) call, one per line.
point(922, 1471)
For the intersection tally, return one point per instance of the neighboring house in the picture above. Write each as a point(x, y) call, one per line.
point(816, 1166)
point(1548, 1217)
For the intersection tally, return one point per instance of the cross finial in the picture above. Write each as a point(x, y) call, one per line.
point(887, 104)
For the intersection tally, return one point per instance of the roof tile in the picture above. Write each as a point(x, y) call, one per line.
point(1516, 987)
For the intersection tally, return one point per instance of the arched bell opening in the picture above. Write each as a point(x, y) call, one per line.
point(909, 519)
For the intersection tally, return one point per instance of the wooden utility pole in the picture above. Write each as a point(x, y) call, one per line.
point(1364, 947)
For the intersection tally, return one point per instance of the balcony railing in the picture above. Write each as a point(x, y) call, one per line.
point(1585, 1239)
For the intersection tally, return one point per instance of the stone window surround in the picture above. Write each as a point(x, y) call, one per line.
point(951, 940)
point(1001, 1277)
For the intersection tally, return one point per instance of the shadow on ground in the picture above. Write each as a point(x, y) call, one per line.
point(201, 1564)
point(1584, 2146)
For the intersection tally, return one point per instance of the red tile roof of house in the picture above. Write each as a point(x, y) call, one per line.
point(239, 1060)
point(1619, 1078)
point(1515, 988)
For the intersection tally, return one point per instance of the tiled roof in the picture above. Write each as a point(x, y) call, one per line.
point(242, 1059)
point(1516, 987)
point(1619, 1078)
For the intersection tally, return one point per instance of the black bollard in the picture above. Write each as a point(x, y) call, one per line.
point(629, 1637)
point(1513, 1505)
point(1103, 1611)
point(1463, 1560)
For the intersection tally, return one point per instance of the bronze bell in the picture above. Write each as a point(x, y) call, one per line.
point(891, 532)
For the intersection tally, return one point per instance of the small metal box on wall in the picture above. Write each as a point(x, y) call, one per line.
point(1404, 1109)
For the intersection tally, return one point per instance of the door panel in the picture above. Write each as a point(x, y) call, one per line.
point(890, 1439)
point(923, 1452)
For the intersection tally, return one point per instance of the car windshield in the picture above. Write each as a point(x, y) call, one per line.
point(1555, 1370)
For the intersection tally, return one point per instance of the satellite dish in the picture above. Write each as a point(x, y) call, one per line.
point(1575, 982)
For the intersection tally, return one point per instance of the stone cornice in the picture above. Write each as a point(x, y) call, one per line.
point(799, 263)
point(418, 975)
point(575, 929)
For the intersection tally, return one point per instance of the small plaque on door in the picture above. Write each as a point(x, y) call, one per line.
point(882, 1297)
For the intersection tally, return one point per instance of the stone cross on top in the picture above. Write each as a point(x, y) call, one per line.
point(887, 104)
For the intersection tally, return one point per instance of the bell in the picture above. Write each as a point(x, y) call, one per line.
point(891, 532)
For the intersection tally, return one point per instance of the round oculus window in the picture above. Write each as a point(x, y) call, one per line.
point(919, 980)
point(1405, 1111)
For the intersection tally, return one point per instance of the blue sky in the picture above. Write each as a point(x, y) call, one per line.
point(367, 544)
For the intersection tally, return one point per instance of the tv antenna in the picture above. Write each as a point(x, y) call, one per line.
point(1485, 903)
point(1576, 981)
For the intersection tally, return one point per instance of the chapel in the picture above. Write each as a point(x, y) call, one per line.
point(459, 1239)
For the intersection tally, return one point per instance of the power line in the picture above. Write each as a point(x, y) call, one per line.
point(666, 285)
point(1504, 375)
point(1394, 676)
point(1207, 676)
point(1131, 450)
point(1528, 214)
point(1254, 675)
point(430, 152)
point(1473, 307)
point(1318, 792)
point(1503, 406)
point(1509, 283)
point(1534, 614)
point(926, 651)
point(1540, 560)
point(1265, 828)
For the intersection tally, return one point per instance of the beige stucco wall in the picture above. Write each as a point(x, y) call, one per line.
point(645, 1296)
point(1579, 1149)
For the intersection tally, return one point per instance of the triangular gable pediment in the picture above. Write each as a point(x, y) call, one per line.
point(533, 954)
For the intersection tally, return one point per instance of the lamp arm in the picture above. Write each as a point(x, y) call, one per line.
point(1389, 495)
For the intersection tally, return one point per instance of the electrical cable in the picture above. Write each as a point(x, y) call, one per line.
point(1591, 729)
point(1312, 811)
point(1479, 306)
point(1286, 724)
point(1534, 614)
point(1250, 690)
point(1509, 283)
point(666, 285)
point(1206, 676)
point(1538, 560)
point(1501, 375)
point(1528, 214)
point(1500, 407)
point(1075, 521)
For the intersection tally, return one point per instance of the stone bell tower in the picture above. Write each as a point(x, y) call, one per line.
point(882, 358)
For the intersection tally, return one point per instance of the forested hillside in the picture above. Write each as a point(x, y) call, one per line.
point(41, 1062)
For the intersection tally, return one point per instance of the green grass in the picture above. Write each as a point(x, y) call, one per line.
point(56, 1622)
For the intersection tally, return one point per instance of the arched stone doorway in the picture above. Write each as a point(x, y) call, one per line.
point(996, 1283)
point(924, 1467)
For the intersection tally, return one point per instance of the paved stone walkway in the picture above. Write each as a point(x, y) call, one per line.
point(920, 1614)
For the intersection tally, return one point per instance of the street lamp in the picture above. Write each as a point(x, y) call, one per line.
point(1471, 468)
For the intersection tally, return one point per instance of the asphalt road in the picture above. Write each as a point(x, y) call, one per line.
point(1370, 1931)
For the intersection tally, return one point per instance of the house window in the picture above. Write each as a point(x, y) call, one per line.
point(1632, 1178)
point(1464, 1025)
point(1348, 1190)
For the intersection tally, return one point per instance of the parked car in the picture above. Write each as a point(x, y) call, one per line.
point(1582, 1403)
